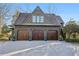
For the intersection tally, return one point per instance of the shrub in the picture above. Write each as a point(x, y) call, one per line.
point(12, 37)
point(72, 40)
point(1, 35)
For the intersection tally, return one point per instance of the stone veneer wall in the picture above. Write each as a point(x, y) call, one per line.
point(31, 28)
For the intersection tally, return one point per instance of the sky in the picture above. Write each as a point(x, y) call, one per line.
point(67, 11)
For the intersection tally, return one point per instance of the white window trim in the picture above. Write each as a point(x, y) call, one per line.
point(42, 19)
point(33, 19)
point(37, 19)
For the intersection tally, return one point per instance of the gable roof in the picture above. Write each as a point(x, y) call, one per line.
point(49, 19)
point(37, 10)
point(22, 18)
point(60, 19)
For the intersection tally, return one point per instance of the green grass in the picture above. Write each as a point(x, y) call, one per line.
point(72, 39)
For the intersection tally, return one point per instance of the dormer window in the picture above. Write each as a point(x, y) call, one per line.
point(37, 19)
point(33, 18)
point(41, 18)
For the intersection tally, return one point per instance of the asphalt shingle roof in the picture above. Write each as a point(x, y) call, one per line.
point(49, 19)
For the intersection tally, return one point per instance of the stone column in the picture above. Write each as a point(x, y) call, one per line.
point(15, 34)
point(30, 35)
point(45, 35)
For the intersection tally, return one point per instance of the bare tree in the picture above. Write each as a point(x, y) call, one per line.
point(3, 14)
point(4, 10)
point(28, 10)
point(15, 16)
point(51, 9)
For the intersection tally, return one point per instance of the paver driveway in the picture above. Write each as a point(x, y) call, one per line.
point(38, 48)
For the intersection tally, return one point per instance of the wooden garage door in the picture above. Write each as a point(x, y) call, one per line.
point(52, 35)
point(23, 35)
point(38, 35)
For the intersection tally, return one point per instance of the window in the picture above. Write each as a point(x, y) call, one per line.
point(37, 19)
point(41, 18)
point(34, 18)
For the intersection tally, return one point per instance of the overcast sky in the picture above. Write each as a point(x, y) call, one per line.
point(65, 10)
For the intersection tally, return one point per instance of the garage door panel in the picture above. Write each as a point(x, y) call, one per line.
point(23, 35)
point(52, 35)
point(38, 35)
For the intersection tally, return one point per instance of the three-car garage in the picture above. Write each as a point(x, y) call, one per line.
point(37, 35)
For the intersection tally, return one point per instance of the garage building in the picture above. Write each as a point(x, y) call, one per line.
point(37, 26)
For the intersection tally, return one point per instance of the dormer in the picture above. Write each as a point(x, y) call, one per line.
point(37, 15)
point(37, 11)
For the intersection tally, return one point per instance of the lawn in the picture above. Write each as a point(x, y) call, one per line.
point(72, 39)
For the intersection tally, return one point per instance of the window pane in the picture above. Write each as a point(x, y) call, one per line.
point(41, 18)
point(33, 18)
point(38, 19)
